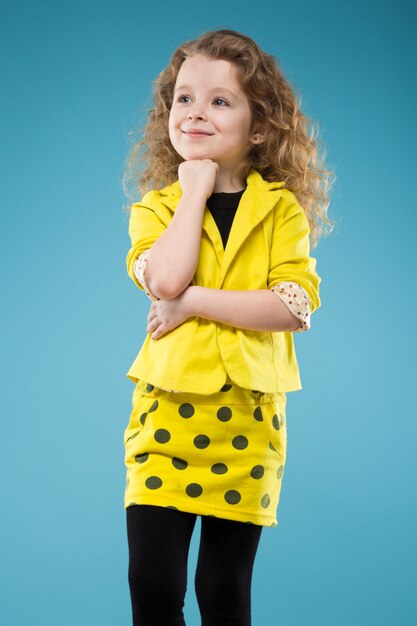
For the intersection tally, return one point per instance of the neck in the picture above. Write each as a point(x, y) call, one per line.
point(226, 184)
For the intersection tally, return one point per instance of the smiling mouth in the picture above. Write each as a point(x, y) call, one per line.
point(193, 134)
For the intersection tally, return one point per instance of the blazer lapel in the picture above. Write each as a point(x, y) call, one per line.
point(253, 207)
point(259, 197)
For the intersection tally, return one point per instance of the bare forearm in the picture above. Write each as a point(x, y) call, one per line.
point(258, 309)
point(171, 264)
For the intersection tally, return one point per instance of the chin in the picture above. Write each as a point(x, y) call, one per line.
point(196, 154)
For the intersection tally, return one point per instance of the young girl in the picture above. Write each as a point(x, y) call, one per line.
point(231, 193)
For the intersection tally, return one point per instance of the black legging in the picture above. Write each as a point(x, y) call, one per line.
point(159, 540)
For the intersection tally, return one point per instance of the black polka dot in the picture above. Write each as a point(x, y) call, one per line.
point(275, 422)
point(149, 387)
point(219, 468)
point(201, 441)
point(179, 463)
point(132, 504)
point(153, 482)
point(271, 446)
point(240, 442)
point(141, 458)
point(257, 471)
point(162, 435)
point(232, 496)
point(266, 500)
point(194, 490)
point(143, 418)
point(154, 406)
point(226, 387)
point(171, 506)
point(280, 471)
point(186, 410)
point(224, 413)
point(257, 414)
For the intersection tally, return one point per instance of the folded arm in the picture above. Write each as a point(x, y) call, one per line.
point(256, 309)
point(251, 310)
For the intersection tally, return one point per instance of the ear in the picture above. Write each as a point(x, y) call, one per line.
point(259, 136)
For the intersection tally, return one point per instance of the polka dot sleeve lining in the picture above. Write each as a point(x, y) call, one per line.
point(296, 300)
point(139, 269)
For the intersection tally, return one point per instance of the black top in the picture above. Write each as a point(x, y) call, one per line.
point(223, 206)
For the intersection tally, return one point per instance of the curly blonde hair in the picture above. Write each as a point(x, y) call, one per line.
point(290, 152)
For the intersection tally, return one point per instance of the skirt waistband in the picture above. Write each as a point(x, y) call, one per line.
point(230, 393)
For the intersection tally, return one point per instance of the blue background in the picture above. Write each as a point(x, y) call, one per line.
point(77, 78)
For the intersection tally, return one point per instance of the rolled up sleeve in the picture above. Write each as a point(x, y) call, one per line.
point(145, 228)
point(297, 302)
point(290, 260)
point(139, 268)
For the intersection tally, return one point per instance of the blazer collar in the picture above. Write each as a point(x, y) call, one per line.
point(259, 197)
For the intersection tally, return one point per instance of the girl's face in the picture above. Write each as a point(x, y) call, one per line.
point(207, 97)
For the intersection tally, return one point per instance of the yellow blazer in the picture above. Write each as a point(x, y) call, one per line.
point(268, 243)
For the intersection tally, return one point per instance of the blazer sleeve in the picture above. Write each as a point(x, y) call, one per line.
point(290, 258)
point(144, 229)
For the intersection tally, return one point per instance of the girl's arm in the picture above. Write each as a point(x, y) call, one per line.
point(257, 309)
point(177, 247)
point(173, 258)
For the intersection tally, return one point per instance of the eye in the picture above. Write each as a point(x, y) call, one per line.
point(179, 98)
point(221, 100)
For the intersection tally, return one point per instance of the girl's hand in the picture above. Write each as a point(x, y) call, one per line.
point(165, 315)
point(198, 176)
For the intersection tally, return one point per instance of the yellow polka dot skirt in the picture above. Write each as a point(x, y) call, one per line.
point(221, 454)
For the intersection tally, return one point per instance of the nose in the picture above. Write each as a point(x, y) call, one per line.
point(196, 113)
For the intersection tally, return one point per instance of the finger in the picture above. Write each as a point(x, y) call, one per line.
point(158, 333)
point(153, 324)
point(161, 329)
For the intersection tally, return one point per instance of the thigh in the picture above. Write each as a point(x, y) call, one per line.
point(224, 570)
point(159, 540)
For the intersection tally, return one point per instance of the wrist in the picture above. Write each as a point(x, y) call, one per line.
point(194, 198)
point(191, 300)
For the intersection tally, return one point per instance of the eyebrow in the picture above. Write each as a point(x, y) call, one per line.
point(181, 87)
